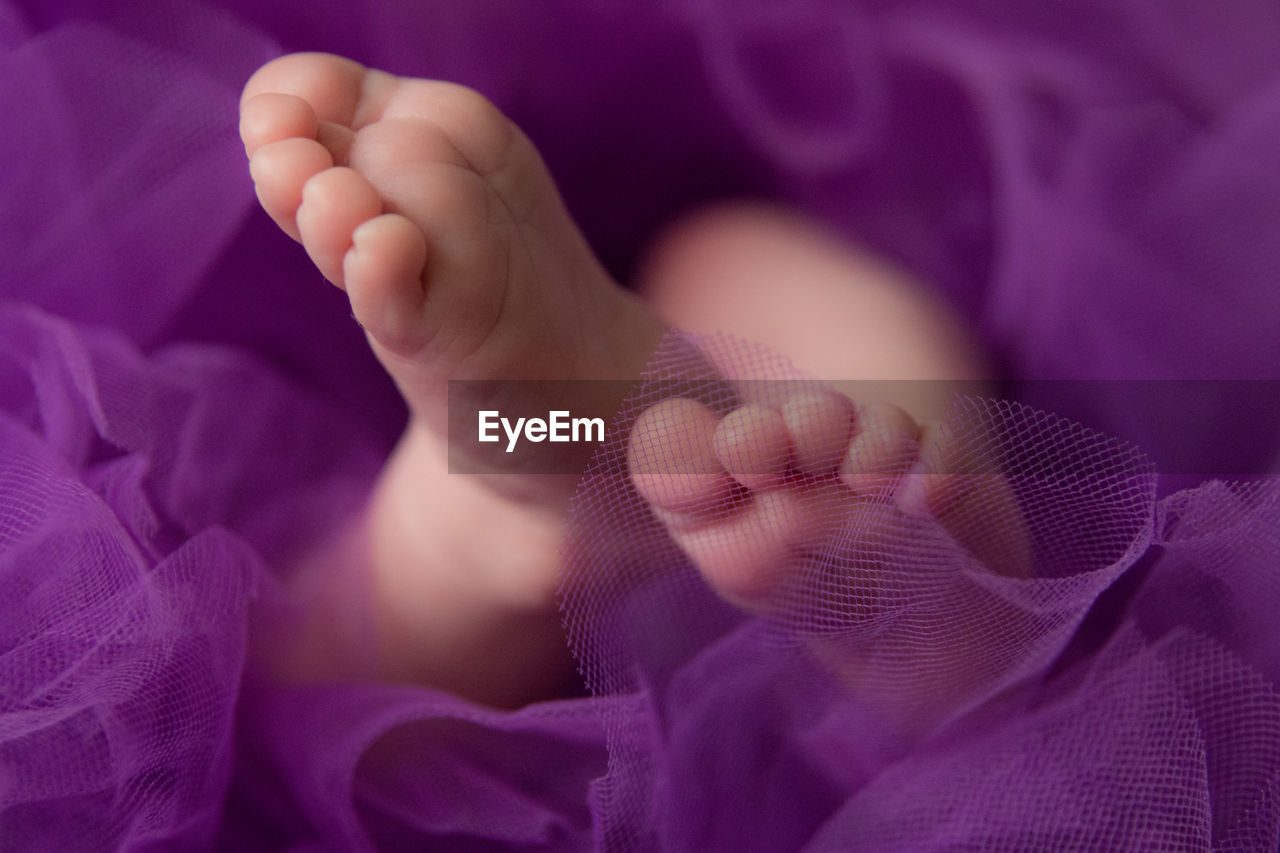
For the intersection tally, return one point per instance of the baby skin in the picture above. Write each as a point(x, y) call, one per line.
point(437, 217)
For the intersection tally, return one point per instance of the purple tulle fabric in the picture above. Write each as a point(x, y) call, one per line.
point(185, 407)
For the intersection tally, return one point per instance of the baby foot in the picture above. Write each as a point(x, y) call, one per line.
point(746, 494)
point(437, 217)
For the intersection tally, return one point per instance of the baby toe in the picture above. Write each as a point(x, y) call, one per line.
point(334, 203)
point(753, 445)
point(273, 116)
point(383, 276)
point(884, 445)
point(820, 423)
point(280, 170)
point(672, 460)
point(332, 85)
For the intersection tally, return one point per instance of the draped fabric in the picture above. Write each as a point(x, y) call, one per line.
point(186, 408)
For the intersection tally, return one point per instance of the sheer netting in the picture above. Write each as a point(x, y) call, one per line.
point(920, 680)
point(1079, 655)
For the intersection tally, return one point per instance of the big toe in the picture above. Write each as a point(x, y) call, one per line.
point(272, 116)
point(337, 89)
